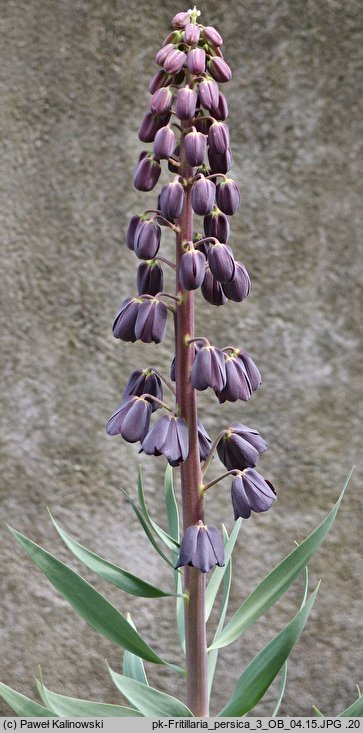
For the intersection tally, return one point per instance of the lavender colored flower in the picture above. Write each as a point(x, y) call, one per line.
point(174, 61)
point(218, 68)
point(220, 112)
point(201, 547)
point(221, 262)
point(192, 269)
point(228, 196)
point(196, 61)
point(239, 287)
point(216, 225)
point(195, 146)
point(205, 442)
point(209, 369)
point(147, 172)
point(212, 290)
point(218, 137)
point(150, 324)
point(220, 163)
point(203, 195)
point(150, 125)
point(161, 101)
point(251, 492)
point(125, 319)
point(131, 420)
point(169, 436)
point(180, 20)
point(141, 382)
point(212, 36)
point(147, 239)
point(186, 102)
point(172, 199)
point(131, 230)
point(238, 385)
point(163, 53)
point(191, 34)
point(241, 447)
point(164, 143)
point(150, 278)
point(208, 93)
point(160, 79)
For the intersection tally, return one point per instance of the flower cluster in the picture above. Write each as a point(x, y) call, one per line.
point(186, 128)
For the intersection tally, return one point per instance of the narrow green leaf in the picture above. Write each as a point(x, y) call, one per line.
point(318, 713)
point(88, 602)
point(354, 711)
point(259, 674)
point(146, 529)
point(133, 666)
point(64, 706)
point(277, 581)
point(23, 706)
point(164, 536)
point(148, 700)
point(172, 509)
point(109, 571)
point(218, 573)
point(281, 690)
point(213, 655)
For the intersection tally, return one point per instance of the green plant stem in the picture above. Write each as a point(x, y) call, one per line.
point(190, 470)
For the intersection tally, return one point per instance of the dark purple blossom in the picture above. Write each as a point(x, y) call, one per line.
point(212, 36)
point(131, 230)
point(252, 372)
point(217, 225)
point(150, 125)
point(241, 380)
point(228, 196)
point(125, 319)
point(174, 61)
point(251, 492)
point(201, 547)
point(220, 163)
point(141, 382)
point(172, 199)
point(170, 437)
point(163, 53)
point(209, 369)
point(150, 278)
point(195, 146)
point(205, 442)
point(221, 262)
point(186, 102)
point(212, 290)
point(164, 143)
point(192, 269)
point(131, 420)
point(220, 112)
point(218, 68)
point(196, 61)
point(240, 447)
point(147, 239)
point(239, 287)
point(161, 101)
point(147, 172)
point(150, 324)
point(218, 137)
point(208, 93)
point(203, 195)
point(160, 79)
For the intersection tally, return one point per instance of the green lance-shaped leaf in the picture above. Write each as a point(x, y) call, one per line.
point(277, 581)
point(259, 674)
point(23, 706)
point(88, 602)
point(213, 655)
point(133, 666)
point(64, 706)
point(218, 573)
point(146, 528)
point(164, 536)
point(109, 571)
point(354, 711)
point(148, 700)
point(172, 510)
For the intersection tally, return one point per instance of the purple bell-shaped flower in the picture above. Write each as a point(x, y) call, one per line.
point(228, 196)
point(209, 369)
point(147, 239)
point(192, 269)
point(150, 278)
point(141, 382)
point(221, 262)
point(251, 492)
point(195, 146)
point(203, 195)
point(147, 172)
point(150, 324)
point(170, 437)
point(239, 287)
point(212, 290)
point(201, 547)
point(131, 419)
point(171, 200)
point(240, 447)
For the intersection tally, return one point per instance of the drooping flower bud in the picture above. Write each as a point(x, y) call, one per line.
point(238, 384)
point(228, 196)
point(221, 262)
point(196, 61)
point(241, 447)
point(160, 79)
point(180, 20)
point(150, 278)
point(150, 324)
point(143, 382)
point(220, 112)
point(209, 369)
point(163, 53)
point(186, 102)
point(147, 172)
point(218, 68)
point(202, 123)
point(252, 372)
point(201, 547)
point(131, 420)
point(208, 93)
point(239, 287)
point(172, 199)
point(203, 195)
point(205, 442)
point(174, 61)
point(161, 101)
point(212, 36)
point(218, 137)
point(147, 239)
point(164, 143)
point(220, 163)
point(251, 492)
point(195, 146)
point(191, 34)
point(212, 289)
point(124, 322)
point(170, 437)
point(216, 225)
point(131, 229)
point(150, 125)
point(192, 269)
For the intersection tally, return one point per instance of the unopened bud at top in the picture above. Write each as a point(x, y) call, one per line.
point(196, 61)
point(212, 35)
point(191, 34)
point(219, 69)
point(180, 20)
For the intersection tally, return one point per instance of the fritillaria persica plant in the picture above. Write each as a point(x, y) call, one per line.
point(185, 130)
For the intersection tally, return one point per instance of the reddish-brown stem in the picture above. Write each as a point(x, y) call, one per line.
point(190, 470)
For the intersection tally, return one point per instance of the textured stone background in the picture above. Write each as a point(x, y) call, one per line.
point(73, 78)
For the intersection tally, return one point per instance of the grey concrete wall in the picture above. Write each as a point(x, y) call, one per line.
point(73, 79)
